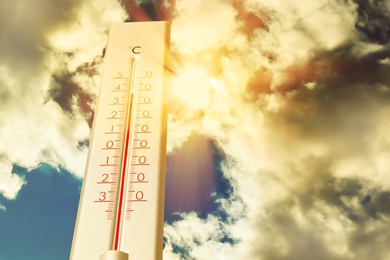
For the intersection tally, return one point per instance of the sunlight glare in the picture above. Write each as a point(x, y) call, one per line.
point(192, 86)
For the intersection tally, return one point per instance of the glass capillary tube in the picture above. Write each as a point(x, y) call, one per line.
point(126, 153)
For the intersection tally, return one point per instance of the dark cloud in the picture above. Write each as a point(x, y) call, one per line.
point(370, 243)
point(374, 20)
point(337, 69)
point(148, 10)
point(25, 26)
point(340, 192)
point(5, 92)
point(302, 244)
point(83, 144)
point(251, 20)
point(345, 111)
point(69, 95)
point(360, 205)
point(344, 104)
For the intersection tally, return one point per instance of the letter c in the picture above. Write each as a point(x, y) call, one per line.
point(136, 49)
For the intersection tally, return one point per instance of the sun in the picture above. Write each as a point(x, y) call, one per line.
point(192, 85)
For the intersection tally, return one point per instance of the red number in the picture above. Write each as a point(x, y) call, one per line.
point(142, 159)
point(102, 196)
point(114, 113)
point(143, 143)
point(105, 177)
point(145, 113)
point(146, 100)
point(139, 195)
point(144, 128)
point(140, 177)
point(109, 144)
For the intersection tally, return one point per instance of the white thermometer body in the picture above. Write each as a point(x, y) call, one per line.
point(122, 199)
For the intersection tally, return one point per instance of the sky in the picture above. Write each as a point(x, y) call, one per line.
point(278, 125)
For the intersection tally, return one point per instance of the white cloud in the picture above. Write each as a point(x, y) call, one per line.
point(191, 232)
point(10, 183)
point(86, 37)
point(211, 22)
point(36, 43)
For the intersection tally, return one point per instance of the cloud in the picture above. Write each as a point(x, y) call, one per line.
point(50, 54)
point(373, 21)
point(301, 112)
point(10, 183)
point(198, 238)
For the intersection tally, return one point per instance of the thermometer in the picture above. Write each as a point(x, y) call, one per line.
point(121, 207)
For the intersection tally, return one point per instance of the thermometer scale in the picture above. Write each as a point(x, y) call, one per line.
point(121, 206)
